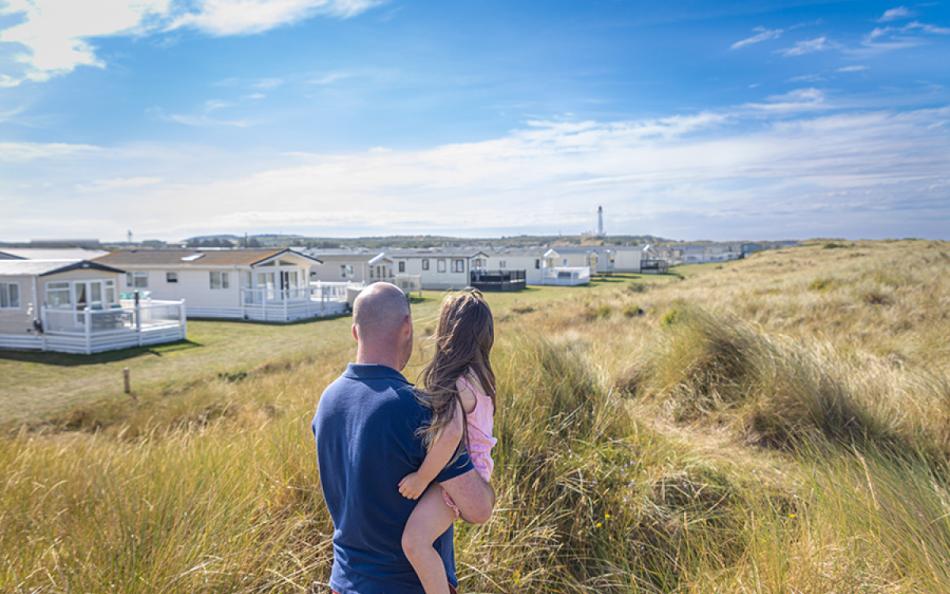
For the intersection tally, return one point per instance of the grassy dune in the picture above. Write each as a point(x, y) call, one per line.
point(777, 424)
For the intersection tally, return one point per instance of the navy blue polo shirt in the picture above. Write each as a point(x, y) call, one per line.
point(366, 431)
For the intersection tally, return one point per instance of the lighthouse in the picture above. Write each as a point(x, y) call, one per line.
point(600, 221)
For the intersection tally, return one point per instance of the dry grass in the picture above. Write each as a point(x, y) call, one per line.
point(746, 429)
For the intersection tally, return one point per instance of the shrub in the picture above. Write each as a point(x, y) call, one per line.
point(633, 311)
point(599, 312)
point(637, 287)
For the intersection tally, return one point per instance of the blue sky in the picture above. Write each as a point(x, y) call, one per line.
point(347, 117)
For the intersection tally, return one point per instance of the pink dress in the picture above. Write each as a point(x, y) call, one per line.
point(480, 423)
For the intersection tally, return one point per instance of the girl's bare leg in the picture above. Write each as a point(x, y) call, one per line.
point(428, 521)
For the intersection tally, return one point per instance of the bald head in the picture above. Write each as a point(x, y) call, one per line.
point(382, 325)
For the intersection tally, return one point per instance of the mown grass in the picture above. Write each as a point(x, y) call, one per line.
point(741, 432)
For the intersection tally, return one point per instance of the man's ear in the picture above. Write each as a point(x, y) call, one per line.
point(355, 333)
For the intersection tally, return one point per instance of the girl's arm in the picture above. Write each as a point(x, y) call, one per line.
point(440, 454)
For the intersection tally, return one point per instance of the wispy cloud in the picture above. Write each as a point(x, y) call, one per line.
point(807, 46)
point(201, 119)
point(245, 17)
point(29, 151)
point(926, 28)
point(762, 34)
point(895, 14)
point(893, 37)
point(853, 68)
point(119, 183)
point(329, 78)
point(268, 83)
point(807, 78)
point(799, 100)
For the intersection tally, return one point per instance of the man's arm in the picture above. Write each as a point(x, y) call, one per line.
point(473, 496)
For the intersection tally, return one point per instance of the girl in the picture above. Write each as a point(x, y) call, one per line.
point(459, 388)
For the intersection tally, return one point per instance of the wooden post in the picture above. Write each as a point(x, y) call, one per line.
point(127, 380)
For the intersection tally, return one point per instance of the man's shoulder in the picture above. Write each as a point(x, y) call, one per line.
point(388, 393)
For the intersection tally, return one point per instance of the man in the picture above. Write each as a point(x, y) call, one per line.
point(367, 433)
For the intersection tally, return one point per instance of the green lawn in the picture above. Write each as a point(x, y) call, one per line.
point(40, 385)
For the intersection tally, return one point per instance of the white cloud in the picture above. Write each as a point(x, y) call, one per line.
point(54, 37)
point(119, 183)
point(926, 28)
point(807, 78)
point(54, 34)
point(329, 78)
point(807, 46)
point(244, 17)
point(685, 175)
point(895, 14)
point(201, 119)
point(29, 151)
point(853, 68)
point(808, 99)
point(762, 34)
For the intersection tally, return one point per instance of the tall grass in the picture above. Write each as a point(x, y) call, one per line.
point(706, 444)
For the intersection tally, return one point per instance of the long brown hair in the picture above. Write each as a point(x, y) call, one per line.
point(463, 341)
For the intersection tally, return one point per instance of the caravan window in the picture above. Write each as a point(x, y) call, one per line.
point(9, 296)
point(440, 265)
point(57, 295)
point(219, 280)
point(425, 263)
point(458, 265)
point(402, 266)
point(537, 263)
point(171, 277)
point(136, 280)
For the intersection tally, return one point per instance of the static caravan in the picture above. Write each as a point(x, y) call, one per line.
point(270, 285)
point(74, 306)
point(529, 261)
point(438, 269)
point(558, 269)
point(350, 266)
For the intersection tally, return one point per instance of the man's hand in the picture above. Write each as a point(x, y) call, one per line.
point(412, 485)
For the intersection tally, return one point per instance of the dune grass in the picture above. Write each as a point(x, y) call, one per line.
point(741, 431)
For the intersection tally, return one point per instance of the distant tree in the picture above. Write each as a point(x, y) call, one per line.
point(252, 242)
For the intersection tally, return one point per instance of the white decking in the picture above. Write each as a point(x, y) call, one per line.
point(566, 275)
point(95, 331)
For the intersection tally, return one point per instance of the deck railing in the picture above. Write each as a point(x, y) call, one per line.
point(565, 273)
point(409, 283)
point(317, 291)
point(330, 291)
point(119, 317)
